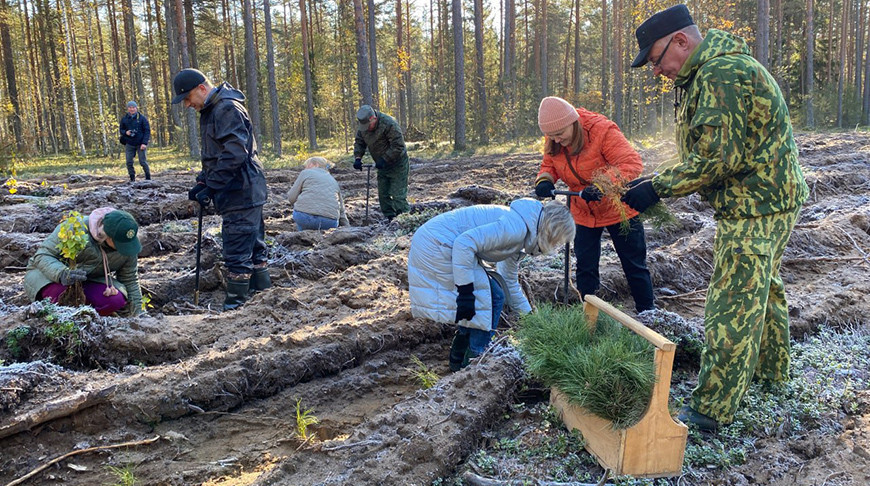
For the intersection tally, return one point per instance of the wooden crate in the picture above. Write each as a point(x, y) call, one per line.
point(655, 446)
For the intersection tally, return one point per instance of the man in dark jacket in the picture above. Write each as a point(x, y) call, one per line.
point(135, 135)
point(232, 177)
point(382, 136)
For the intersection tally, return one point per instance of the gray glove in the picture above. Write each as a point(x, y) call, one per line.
point(69, 277)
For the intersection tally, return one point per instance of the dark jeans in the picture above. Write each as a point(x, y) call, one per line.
point(478, 339)
point(244, 237)
point(132, 150)
point(630, 248)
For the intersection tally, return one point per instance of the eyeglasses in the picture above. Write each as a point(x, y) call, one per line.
point(658, 61)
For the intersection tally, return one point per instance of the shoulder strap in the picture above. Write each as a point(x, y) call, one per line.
point(570, 166)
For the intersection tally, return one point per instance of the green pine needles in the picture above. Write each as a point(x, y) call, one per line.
point(609, 372)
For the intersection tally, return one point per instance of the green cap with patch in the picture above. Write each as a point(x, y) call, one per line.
point(123, 230)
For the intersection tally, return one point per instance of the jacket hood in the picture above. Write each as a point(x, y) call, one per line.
point(529, 210)
point(224, 91)
point(717, 43)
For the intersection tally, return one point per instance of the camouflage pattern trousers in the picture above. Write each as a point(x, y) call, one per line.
point(746, 315)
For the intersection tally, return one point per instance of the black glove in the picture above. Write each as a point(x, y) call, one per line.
point(544, 189)
point(357, 163)
point(380, 164)
point(191, 194)
point(591, 193)
point(69, 277)
point(641, 195)
point(465, 302)
point(204, 196)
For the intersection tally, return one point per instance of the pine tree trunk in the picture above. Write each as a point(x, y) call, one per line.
point(181, 26)
point(481, 73)
point(41, 115)
point(618, 64)
point(309, 94)
point(373, 54)
point(762, 34)
point(136, 85)
point(844, 24)
point(72, 81)
point(252, 84)
point(190, 30)
point(116, 50)
point(401, 58)
point(811, 119)
point(176, 133)
point(407, 72)
point(273, 84)
point(50, 119)
point(545, 66)
point(364, 75)
point(459, 77)
point(577, 51)
point(9, 68)
point(92, 68)
point(157, 86)
point(60, 109)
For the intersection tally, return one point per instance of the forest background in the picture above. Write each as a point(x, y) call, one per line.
point(460, 73)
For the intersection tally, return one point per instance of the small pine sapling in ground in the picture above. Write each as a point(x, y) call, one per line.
point(613, 186)
point(73, 238)
point(425, 376)
point(304, 419)
point(124, 476)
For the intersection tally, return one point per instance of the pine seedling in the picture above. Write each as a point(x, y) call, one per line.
point(609, 372)
point(304, 419)
point(425, 376)
point(613, 186)
point(124, 476)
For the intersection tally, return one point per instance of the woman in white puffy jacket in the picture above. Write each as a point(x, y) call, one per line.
point(448, 282)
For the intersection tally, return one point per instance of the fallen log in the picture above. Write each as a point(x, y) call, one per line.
point(58, 408)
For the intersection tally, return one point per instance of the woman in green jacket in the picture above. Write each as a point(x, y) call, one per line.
point(113, 246)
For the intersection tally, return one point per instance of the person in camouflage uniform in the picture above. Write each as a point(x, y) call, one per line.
point(737, 151)
point(381, 135)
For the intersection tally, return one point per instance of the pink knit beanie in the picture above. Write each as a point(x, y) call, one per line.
point(555, 114)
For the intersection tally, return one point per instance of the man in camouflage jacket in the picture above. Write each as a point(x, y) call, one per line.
point(737, 151)
point(381, 135)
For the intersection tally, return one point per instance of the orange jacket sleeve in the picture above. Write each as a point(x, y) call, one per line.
point(621, 156)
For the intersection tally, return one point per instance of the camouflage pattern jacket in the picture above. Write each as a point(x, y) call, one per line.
point(385, 142)
point(734, 135)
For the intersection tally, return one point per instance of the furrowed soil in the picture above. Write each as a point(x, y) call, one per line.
point(222, 393)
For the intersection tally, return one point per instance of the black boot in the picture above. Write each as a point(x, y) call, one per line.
point(457, 351)
point(260, 279)
point(237, 293)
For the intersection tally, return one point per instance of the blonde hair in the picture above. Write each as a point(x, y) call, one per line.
point(556, 227)
point(317, 162)
point(574, 148)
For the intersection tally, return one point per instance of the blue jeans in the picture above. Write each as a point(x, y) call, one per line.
point(305, 221)
point(478, 340)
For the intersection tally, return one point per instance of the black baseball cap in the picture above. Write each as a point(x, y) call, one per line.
point(185, 81)
point(659, 25)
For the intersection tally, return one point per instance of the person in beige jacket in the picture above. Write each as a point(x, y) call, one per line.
point(316, 198)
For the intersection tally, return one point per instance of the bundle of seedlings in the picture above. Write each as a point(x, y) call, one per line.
point(608, 370)
point(612, 185)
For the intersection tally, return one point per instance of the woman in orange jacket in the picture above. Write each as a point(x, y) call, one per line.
point(580, 145)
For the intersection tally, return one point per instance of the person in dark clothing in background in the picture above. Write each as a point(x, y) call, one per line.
point(135, 136)
point(381, 135)
point(232, 176)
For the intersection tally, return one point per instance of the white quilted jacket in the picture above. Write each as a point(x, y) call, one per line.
point(446, 252)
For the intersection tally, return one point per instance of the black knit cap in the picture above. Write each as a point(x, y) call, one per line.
point(659, 25)
point(184, 82)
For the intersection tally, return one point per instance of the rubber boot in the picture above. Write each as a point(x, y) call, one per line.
point(457, 351)
point(237, 293)
point(469, 355)
point(260, 279)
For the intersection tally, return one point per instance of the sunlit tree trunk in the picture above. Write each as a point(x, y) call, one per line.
point(364, 76)
point(252, 85)
point(9, 68)
point(373, 54)
point(273, 84)
point(180, 25)
point(459, 77)
point(309, 94)
point(811, 119)
point(72, 80)
point(481, 72)
point(762, 33)
point(96, 72)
